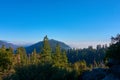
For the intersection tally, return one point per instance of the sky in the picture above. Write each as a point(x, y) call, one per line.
point(78, 23)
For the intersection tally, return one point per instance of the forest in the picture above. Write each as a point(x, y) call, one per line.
point(101, 63)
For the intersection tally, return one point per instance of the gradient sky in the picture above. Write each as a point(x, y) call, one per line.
point(71, 21)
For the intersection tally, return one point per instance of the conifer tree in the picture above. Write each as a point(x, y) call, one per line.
point(34, 57)
point(22, 57)
point(10, 54)
point(57, 56)
point(64, 59)
point(113, 52)
point(46, 51)
point(57, 52)
point(3, 48)
point(64, 56)
point(5, 62)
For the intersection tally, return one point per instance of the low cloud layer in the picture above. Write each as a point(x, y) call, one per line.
point(83, 44)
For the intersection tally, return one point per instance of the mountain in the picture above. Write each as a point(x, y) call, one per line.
point(7, 44)
point(52, 43)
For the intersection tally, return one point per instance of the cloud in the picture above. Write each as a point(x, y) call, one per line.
point(85, 44)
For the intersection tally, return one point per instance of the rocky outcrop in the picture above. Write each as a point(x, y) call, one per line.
point(95, 74)
point(110, 77)
point(112, 62)
point(112, 73)
point(115, 70)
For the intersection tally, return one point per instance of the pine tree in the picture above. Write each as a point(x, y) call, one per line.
point(64, 56)
point(79, 66)
point(3, 48)
point(46, 51)
point(57, 56)
point(5, 60)
point(34, 57)
point(21, 55)
point(58, 52)
point(10, 53)
point(64, 59)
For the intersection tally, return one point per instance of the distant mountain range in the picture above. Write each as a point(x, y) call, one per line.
point(52, 43)
point(7, 44)
point(37, 46)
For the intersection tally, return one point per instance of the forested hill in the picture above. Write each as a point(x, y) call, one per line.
point(7, 45)
point(52, 43)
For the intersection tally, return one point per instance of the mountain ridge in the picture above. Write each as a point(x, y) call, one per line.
point(37, 46)
point(52, 43)
point(8, 44)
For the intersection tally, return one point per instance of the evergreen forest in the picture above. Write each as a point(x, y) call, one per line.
point(100, 63)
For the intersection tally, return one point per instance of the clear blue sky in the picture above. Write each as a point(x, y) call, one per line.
point(65, 20)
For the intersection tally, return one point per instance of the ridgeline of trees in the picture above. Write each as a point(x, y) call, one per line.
point(90, 55)
point(54, 65)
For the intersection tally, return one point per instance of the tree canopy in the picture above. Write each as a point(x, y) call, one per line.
point(113, 51)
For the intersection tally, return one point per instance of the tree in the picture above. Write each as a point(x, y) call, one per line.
point(79, 66)
point(5, 60)
point(3, 48)
point(34, 57)
point(21, 56)
point(58, 51)
point(64, 56)
point(57, 58)
point(113, 51)
point(46, 51)
point(11, 55)
point(115, 39)
point(64, 59)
